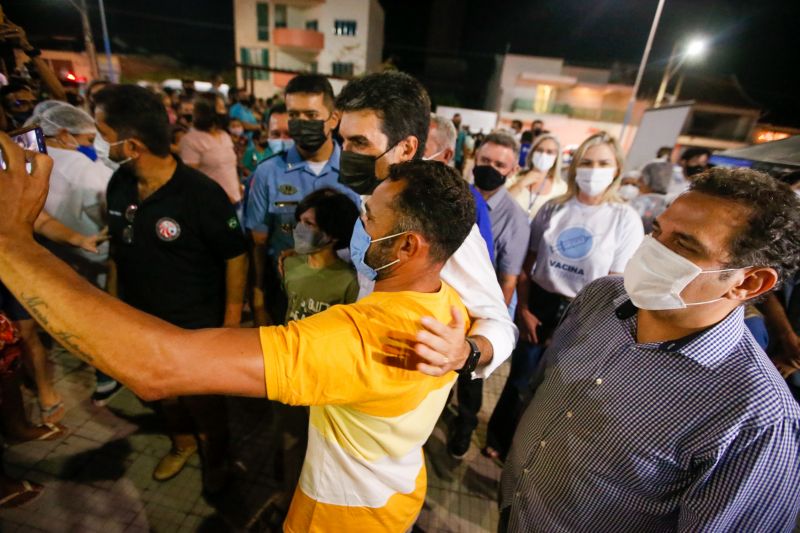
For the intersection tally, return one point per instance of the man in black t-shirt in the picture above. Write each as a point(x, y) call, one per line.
point(177, 251)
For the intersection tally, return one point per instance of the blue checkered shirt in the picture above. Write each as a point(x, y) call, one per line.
point(697, 434)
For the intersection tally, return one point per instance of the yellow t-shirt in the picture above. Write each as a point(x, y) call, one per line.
point(371, 409)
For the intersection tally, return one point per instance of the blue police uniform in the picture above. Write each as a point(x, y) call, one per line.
point(278, 185)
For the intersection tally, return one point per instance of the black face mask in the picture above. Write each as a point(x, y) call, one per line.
point(187, 117)
point(694, 169)
point(357, 171)
point(487, 177)
point(537, 132)
point(308, 134)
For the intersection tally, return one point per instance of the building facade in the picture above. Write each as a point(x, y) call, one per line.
point(338, 38)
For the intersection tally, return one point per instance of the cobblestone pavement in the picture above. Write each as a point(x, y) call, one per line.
point(99, 478)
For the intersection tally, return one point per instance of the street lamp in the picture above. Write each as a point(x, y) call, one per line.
point(640, 72)
point(694, 49)
point(88, 39)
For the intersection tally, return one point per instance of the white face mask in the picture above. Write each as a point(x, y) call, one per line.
point(542, 161)
point(594, 181)
point(655, 277)
point(628, 192)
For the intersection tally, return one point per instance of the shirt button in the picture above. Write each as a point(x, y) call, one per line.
point(525, 471)
point(516, 494)
point(569, 414)
point(598, 381)
point(542, 444)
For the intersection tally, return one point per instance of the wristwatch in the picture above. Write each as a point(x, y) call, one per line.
point(472, 359)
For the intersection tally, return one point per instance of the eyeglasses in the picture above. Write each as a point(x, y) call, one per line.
point(130, 215)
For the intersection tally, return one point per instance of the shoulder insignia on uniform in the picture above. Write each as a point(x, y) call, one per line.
point(233, 223)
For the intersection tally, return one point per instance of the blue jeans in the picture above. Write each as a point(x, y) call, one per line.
point(503, 423)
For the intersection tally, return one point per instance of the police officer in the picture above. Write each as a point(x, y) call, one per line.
point(280, 182)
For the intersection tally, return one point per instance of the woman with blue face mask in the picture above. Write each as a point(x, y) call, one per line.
point(584, 234)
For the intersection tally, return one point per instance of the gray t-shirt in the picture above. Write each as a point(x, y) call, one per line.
point(510, 230)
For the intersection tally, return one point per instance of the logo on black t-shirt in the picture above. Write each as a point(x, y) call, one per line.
point(167, 229)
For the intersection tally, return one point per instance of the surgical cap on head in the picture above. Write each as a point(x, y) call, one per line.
point(43, 106)
point(68, 118)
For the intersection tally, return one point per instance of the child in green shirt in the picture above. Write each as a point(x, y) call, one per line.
point(316, 278)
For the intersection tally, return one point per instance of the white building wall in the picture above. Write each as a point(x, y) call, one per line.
point(344, 48)
point(375, 37)
point(364, 49)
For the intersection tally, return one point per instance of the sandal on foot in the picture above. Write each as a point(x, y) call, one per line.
point(55, 431)
point(30, 491)
point(53, 413)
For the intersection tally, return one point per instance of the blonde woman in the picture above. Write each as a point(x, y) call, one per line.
point(582, 235)
point(541, 179)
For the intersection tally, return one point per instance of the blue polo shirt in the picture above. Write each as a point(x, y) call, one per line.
point(278, 185)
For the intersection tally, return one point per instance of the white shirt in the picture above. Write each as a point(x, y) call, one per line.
point(577, 243)
point(316, 166)
point(469, 271)
point(77, 195)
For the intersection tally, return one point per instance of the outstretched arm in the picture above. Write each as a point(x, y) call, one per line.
point(152, 357)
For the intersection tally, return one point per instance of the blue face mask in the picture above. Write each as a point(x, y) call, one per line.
point(88, 151)
point(359, 244)
point(280, 145)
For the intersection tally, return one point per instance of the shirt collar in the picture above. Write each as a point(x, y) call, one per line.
point(707, 347)
point(294, 161)
point(494, 201)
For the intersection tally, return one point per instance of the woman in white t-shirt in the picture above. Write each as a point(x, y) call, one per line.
point(585, 234)
point(541, 179)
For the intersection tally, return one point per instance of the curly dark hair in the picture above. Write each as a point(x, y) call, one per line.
point(771, 237)
point(334, 212)
point(399, 100)
point(435, 202)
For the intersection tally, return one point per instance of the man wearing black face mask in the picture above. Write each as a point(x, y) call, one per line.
point(385, 120)
point(694, 161)
point(280, 182)
point(495, 160)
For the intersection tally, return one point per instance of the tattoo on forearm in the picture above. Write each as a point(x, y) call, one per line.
point(37, 308)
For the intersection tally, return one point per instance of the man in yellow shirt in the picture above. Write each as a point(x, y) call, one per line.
point(355, 364)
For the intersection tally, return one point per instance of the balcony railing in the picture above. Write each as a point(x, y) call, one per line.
point(299, 39)
point(583, 113)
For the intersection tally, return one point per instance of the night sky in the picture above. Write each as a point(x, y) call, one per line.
point(758, 41)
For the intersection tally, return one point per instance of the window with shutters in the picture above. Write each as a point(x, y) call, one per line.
point(344, 27)
point(262, 20)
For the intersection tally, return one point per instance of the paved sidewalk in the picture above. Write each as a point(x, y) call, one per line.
point(99, 478)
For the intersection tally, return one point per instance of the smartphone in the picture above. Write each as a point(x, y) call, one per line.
point(31, 138)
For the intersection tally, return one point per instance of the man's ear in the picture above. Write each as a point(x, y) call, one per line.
point(412, 245)
point(407, 148)
point(448, 154)
point(334, 119)
point(755, 283)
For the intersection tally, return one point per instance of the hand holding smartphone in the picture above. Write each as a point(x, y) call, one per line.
point(29, 139)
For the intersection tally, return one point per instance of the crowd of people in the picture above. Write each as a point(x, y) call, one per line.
point(385, 257)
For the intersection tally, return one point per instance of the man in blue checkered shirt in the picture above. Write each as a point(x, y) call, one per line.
point(655, 409)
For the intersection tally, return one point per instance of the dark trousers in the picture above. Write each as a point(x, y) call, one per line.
point(516, 392)
point(470, 397)
point(204, 416)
